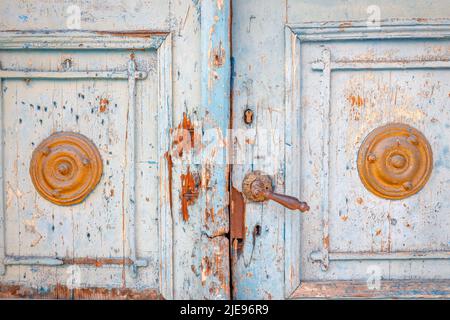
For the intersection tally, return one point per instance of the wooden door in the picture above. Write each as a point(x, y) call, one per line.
point(109, 83)
point(319, 77)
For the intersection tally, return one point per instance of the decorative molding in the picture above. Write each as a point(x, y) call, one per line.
point(2, 186)
point(295, 35)
point(292, 176)
point(358, 30)
point(383, 65)
point(162, 42)
point(25, 74)
point(79, 40)
point(404, 289)
point(165, 122)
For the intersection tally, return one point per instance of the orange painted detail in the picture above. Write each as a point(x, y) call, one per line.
point(395, 161)
point(63, 292)
point(189, 192)
point(65, 168)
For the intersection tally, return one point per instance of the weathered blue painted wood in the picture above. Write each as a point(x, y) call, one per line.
point(291, 251)
point(215, 120)
point(2, 195)
point(183, 259)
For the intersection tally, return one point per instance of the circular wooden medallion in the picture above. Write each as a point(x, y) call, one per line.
point(395, 161)
point(65, 168)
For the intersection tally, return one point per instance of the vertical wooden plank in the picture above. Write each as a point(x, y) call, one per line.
point(215, 114)
point(165, 166)
point(258, 84)
point(2, 203)
point(326, 104)
point(292, 152)
point(129, 201)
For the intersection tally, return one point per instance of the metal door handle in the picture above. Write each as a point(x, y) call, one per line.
point(258, 187)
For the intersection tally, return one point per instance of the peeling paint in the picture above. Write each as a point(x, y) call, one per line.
point(189, 192)
point(184, 137)
point(63, 292)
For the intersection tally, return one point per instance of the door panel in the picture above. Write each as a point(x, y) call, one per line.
point(114, 231)
point(341, 80)
point(66, 67)
point(409, 236)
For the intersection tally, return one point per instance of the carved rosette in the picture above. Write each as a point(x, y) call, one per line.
point(65, 168)
point(395, 161)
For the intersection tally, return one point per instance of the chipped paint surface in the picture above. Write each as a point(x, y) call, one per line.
point(189, 192)
point(63, 292)
point(154, 204)
point(119, 242)
point(365, 80)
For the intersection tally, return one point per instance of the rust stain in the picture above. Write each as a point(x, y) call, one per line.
point(359, 289)
point(132, 34)
point(344, 25)
point(344, 218)
point(98, 262)
point(169, 173)
point(218, 56)
point(237, 216)
point(359, 200)
point(206, 176)
point(184, 136)
point(356, 100)
point(189, 192)
point(378, 232)
point(63, 292)
point(209, 214)
point(326, 242)
point(103, 104)
point(206, 269)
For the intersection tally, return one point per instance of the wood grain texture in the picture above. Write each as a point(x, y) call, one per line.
point(258, 84)
point(407, 289)
point(314, 163)
point(366, 232)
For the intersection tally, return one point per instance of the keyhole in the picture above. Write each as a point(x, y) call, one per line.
point(67, 64)
point(248, 116)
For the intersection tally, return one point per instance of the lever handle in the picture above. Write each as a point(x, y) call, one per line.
point(258, 187)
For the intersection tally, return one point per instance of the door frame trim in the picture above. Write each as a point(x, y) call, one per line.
point(106, 40)
point(389, 289)
point(295, 35)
